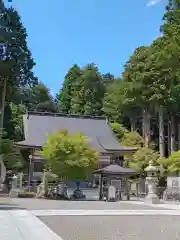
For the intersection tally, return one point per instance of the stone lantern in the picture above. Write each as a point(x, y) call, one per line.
point(151, 180)
point(14, 190)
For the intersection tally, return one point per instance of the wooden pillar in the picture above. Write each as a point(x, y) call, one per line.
point(31, 166)
point(169, 138)
point(101, 188)
point(178, 136)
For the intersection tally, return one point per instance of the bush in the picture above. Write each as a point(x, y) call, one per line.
point(118, 129)
point(140, 160)
point(26, 194)
point(132, 139)
point(171, 195)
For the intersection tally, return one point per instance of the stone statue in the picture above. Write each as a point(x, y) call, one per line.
point(14, 190)
point(43, 186)
point(20, 177)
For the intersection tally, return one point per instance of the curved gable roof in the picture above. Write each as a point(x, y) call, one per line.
point(40, 125)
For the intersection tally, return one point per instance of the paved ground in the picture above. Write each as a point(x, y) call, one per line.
point(23, 225)
point(8, 204)
point(115, 227)
point(38, 204)
point(27, 219)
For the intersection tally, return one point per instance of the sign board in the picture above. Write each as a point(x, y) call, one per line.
point(173, 182)
point(111, 193)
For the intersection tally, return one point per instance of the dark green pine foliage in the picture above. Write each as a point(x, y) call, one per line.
point(89, 92)
point(77, 101)
point(17, 63)
point(171, 52)
point(64, 97)
point(108, 79)
point(114, 101)
point(8, 124)
point(171, 16)
point(43, 99)
point(20, 51)
point(25, 95)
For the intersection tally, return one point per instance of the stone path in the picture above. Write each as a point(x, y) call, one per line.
point(102, 219)
point(41, 204)
point(106, 212)
point(23, 225)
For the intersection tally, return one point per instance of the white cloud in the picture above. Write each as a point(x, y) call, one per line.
point(152, 3)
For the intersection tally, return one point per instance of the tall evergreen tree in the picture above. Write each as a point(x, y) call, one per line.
point(43, 100)
point(65, 95)
point(138, 76)
point(16, 62)
point(89, 92)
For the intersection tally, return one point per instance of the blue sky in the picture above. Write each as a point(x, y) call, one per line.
point(64, 32)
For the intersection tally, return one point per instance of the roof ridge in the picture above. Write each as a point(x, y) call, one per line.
point(65, 115)
point(97, 137)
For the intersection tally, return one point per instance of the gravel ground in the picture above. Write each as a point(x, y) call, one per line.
point(115, 227)
point(42, 204)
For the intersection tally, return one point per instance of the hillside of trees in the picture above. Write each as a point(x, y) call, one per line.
point(143, 100)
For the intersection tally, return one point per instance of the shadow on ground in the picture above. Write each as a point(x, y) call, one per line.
point(10, 206)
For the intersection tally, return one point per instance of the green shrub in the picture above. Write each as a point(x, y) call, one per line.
point(26, 194)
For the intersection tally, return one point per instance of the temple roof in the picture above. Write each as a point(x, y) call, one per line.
point(37, 126)
point(115, 169)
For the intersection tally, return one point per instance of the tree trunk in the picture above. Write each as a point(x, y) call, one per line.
point(173, 135)
point(161, 132)
point(146, 127)
point(2, 109)
point(169, 138)
point(1, 125)
point(178, 136)
point(133, 124)
point(143, 124)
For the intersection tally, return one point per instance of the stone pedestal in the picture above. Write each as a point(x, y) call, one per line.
point(152, 197)
point(14, 193)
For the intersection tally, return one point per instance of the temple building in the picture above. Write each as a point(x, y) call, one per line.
point(37, 126)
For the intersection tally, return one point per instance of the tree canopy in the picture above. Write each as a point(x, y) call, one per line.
point(141, 104)
point(70, 156)
point(141, 159)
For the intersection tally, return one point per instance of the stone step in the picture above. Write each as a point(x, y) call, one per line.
point(3, 195)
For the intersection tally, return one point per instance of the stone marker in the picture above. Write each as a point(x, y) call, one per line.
point(14, 190)
point(21, 175)
point(111, 193)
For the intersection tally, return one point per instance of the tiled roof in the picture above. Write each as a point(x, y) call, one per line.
point(116, 170)
point(40, 125)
